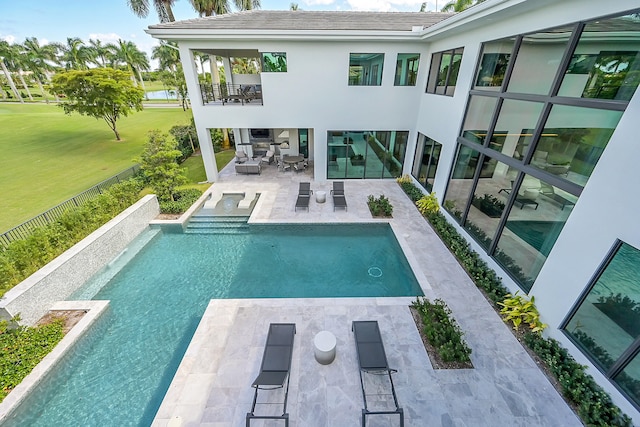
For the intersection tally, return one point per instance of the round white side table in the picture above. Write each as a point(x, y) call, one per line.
point(321, 196)
point(324, 347)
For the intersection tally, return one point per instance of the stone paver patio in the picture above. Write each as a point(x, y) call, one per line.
point(212, 384)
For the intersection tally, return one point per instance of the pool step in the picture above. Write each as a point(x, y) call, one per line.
point(209, 224)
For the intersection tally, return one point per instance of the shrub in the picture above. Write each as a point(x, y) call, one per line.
point(380, 207)
point(22, 349)
point(159, 165)
point(183, 201)
point(442, 330)
point(518, 309)
point(428, 204)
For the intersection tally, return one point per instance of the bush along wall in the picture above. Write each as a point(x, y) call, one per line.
point(594, 405)
point(22, 258)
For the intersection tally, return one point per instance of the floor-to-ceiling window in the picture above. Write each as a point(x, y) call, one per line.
point(426, 161)
point(365, 154)
point(605, 323)
point(540, 114)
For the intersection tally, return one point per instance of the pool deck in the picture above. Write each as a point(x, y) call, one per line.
point(212, 385)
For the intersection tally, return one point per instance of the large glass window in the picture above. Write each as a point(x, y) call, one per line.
point(493, 64)
point(461, 181)
point(478, 118)
point(365, 154)
point(514, 129)
point(573, 140)
point(365, 69)
point(607, 322)
point(606, 61)
point(443, 74)
point(538, 59)
point(407, 69)
point(426, 161)
point(274, 62)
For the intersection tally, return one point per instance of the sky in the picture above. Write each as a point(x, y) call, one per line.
point(53, 21)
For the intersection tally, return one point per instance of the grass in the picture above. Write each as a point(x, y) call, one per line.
point(48, 157)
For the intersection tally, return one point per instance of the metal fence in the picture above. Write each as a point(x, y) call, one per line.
point(25, 229)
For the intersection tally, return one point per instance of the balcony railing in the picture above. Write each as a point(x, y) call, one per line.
point(231, 94)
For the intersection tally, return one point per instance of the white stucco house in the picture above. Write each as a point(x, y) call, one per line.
point(520, 115)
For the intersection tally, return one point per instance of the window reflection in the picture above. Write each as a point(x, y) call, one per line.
point(514, 129)
point(443, 74)
point(407, 69)
point(365, 69)
point(493, 64)
point(606, 62)
point(478, 117)
point(573, 140)
point(538, 59)
point(426, 161)
point(365, 154)
point(459, 186)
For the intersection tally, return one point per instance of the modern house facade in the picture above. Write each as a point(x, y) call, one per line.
point(519, 114)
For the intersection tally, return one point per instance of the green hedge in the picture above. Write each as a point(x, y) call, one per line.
point(594, 404)
point(22, 349)
point(183, 201)
point(22, 258)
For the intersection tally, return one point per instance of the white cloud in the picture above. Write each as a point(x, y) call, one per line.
point(9, 39)
point(44, 42)
point(318, 2)
point(390, 5)
point(105, 37)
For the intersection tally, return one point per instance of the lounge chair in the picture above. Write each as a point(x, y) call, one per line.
point(302, 202)
point(275, 368)
point(268, 157)
point(339, 201)
point(373, 360)
point(241, 156)
point(338, 188)
point(305, 189)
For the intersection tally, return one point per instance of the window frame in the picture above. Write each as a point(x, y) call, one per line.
point(450, 79)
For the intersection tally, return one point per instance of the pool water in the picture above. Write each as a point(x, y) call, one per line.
point(119, 373)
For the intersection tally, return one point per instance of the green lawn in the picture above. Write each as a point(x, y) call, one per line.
point(48, 157)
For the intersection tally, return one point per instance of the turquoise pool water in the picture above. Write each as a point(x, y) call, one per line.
point(118, 374)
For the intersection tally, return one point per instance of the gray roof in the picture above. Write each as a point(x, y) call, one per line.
point(310, 20)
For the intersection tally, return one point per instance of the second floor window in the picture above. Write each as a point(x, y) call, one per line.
point(443, 74)
point(365, 69)
point(407, 69)
point(274, 62)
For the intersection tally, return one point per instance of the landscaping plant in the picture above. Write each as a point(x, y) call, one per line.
point(518, 308)
point(380, 207)
point(159, 166)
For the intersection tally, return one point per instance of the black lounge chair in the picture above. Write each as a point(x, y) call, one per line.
point(275, 368)
point(338, 188)
point(373, 360)
point(302, 202)
point(339, 201)
point(305, 189)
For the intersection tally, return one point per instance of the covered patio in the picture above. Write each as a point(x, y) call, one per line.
point(212, 386)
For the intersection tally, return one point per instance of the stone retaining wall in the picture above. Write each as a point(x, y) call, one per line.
point(56, 281)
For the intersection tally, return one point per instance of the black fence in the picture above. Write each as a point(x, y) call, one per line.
point(231, 93)
point(25, 229)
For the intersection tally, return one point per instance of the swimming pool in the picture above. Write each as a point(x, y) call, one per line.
point(119, 373)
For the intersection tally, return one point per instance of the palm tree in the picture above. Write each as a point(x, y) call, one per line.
point(211, 7)
point(39, 58)
point(247, 4)
point(100, 52)
point(127, 53)
point(423, 7)
point(293, 6)
point(6, 56)
point(75, 55)
point(17, 62)
point(168, 56)
point(163, 9)
point(459, 5)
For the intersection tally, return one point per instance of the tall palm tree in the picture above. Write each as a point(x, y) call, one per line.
point(100, 52)
point(163, 9)
point(39, 61)
point(293, 6)
point(127, 53)
point(211, 7)
point(247, 4)
point(75, 55)
point(459, 5)
point(168, 56)
point(18, 62)
point(6, 57)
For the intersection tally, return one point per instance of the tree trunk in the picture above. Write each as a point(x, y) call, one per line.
point(11, 84)
point(226, 143)
point(24, 84)
point(42, 91)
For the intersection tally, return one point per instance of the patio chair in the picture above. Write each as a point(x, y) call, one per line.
point(241, 156)
point(373, 360)
point(268, 157)
point(302, 202)
point(282, 166)
point(339, 201)
point(305, 189)
point(338, 188)
point(299, 167)
point(275, 368)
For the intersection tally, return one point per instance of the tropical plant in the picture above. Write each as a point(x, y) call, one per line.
point(167, 55)
point(428, 204)
point(459, 5)
point(18, 61)
point(159, 165)
point(7, 52)
point(102, 93)
point(128, 54)
point(518, 309)
point(163, 8)
point(75, 55)
point(293, 6)
point(101, 52)
point(177, 81)
point(39, 61)
point(380, 207)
